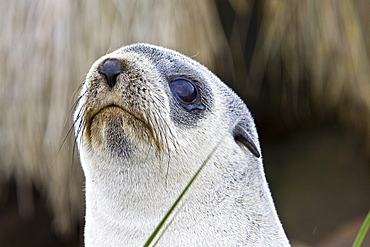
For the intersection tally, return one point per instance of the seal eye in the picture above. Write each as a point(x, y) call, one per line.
point(186, 93)
point(183, 89)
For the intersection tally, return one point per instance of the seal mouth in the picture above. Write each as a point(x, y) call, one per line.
point(113, 107)
point(113, 113)
point(98, 111)
point(116, 110)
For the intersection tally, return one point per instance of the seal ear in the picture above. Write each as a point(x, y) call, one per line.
point(241, 135)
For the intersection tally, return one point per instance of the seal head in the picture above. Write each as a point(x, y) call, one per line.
point(146, 119)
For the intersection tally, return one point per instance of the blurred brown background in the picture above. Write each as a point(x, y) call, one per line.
point(302, 66)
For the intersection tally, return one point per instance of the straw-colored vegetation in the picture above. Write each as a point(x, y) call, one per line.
point(316, 54)
point(46, 50)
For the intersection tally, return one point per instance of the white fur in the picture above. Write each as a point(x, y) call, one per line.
point(229, 203)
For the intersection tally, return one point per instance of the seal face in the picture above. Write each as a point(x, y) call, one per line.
point(145, 121)
point(127, 99)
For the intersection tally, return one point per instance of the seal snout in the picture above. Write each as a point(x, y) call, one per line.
point(111, 68)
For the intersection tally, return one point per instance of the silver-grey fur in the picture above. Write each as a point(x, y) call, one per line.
point(139, 148)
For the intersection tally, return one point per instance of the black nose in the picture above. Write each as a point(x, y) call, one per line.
point(111, 68)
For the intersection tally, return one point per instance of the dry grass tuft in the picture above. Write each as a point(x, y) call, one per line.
point(317, 55)
point(46, 48)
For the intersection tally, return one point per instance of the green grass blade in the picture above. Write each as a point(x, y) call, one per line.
point(165, 229)
point(362, 233)
point(163, 221)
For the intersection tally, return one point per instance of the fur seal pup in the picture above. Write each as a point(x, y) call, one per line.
point(146, 120)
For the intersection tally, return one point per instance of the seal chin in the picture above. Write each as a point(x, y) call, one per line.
point(114, 129)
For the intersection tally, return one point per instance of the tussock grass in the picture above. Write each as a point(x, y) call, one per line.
point(46, 50)
point(315, 56)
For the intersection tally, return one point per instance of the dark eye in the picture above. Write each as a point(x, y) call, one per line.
point(186, 93)
point(183, 89)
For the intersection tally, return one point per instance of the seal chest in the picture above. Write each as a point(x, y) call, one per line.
point(146, 120)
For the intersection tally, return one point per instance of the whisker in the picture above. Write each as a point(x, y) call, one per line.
point(78, 118)
point(80, 129)
point(70, 129)
point(168, 146)
point(74, 122)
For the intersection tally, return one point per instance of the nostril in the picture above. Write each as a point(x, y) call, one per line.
point(111, 68)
